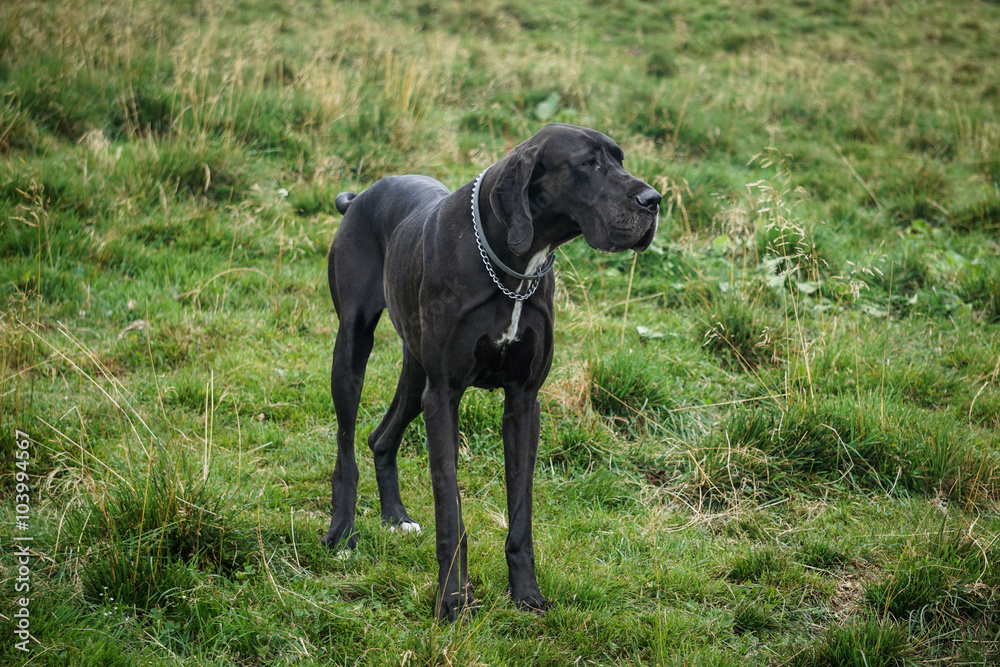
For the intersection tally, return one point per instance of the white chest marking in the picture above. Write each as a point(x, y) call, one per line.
point(510, 335)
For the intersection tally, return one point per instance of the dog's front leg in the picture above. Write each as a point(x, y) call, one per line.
point(521, 426)
point(454, 594)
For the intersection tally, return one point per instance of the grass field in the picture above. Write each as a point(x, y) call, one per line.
point(772, 439)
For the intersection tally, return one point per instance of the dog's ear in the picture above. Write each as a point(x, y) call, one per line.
point(509, 198)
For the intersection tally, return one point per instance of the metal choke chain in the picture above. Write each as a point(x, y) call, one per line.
point(482, 251)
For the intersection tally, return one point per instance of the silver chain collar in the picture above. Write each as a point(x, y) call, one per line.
point(486, 252)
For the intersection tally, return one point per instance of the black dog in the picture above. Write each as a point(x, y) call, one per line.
point(471, 297)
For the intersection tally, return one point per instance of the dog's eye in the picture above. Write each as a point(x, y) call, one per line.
point(591, 163)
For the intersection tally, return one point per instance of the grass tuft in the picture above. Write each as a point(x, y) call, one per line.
point(168, 515)
point(837, 444)
point(625, 390)
point(861, 643)
point(741, 335)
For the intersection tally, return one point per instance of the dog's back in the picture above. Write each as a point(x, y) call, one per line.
point(357, 253)
point(389, 201)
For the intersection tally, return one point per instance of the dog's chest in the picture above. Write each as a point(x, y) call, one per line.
point(498, 364)
point(510, 334)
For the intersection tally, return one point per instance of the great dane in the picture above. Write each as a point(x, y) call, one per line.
point(466, 279)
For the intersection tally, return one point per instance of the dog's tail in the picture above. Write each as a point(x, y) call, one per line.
point(343, 201)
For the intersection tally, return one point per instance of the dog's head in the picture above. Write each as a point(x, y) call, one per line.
point(574, 176)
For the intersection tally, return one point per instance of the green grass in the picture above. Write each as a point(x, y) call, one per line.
point(773, 438)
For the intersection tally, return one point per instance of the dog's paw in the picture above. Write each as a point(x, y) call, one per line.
point(534, 602)
point(340, 537)
point(455, 606)
point(406, 527)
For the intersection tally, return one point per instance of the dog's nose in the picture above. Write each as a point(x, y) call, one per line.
point(649, 199)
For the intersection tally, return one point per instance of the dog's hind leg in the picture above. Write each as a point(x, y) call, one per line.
point(384, 442)
point(355, 339)
point(359, 309)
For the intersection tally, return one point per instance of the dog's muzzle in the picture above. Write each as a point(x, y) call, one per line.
point(648, 200)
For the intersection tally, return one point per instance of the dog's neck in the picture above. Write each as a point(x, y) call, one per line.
point(548, 233)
